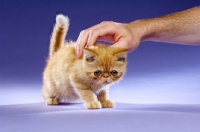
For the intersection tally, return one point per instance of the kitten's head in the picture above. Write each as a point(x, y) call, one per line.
point(104, 64)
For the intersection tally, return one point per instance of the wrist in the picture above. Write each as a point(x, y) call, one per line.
point(140, 29)
point(147, 29)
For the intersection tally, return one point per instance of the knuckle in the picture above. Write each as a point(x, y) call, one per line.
point(85, 31)
point(93, 32)
point(108, 22)
point(103, 22)
point(82, 31)
point(111, 23)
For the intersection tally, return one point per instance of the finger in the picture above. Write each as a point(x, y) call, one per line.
point(78, 46)
point(83, 38)
point(121, 44)
point(99, 26)
point(107, 29)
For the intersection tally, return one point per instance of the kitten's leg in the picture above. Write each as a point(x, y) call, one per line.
point(52, 101)
point(104, 99)
point(89, 98)
point(49, 96)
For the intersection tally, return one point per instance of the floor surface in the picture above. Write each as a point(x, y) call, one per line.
point(38, 117)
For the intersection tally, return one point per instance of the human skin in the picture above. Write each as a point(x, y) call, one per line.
point(177, 28)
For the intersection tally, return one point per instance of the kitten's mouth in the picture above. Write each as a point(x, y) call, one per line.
point(105, 82)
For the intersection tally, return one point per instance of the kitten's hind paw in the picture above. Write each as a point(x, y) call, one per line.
point(93, 105)
point(52, 101)
point(107, 104)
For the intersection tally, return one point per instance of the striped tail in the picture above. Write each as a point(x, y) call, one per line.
point(59, 33)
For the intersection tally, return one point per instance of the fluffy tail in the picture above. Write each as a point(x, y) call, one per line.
point(59, 33)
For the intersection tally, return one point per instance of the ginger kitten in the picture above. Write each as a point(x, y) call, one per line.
point(86, 80)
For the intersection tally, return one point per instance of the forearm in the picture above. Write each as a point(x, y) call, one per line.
point(181, 27)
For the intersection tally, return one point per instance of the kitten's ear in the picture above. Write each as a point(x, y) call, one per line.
point(121, 57)
point(89, 56)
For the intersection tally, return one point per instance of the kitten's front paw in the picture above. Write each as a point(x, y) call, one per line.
point(52, 101)
point(107, 104)
point(93, 105)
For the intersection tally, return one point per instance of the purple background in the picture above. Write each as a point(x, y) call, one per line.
point(157, 72)
point(160, 92)
point(154, 68)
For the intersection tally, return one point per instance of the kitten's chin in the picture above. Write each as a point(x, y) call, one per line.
point(106, 83)
point(103, 82)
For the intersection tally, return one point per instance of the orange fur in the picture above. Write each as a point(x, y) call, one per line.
point(86, 80)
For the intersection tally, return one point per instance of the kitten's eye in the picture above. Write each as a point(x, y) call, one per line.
point(97, 73)
point(114, 73)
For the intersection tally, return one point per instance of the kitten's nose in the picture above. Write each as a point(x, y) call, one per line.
point(105, 75)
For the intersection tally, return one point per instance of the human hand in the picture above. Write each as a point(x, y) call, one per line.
point(119, 34)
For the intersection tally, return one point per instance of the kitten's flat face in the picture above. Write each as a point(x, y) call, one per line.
point(105, 65)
